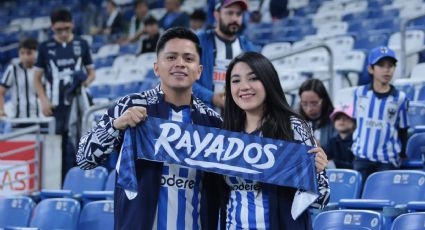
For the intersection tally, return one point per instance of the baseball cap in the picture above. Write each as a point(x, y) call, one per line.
point(345, 109)
point(380, 52)
point(226, 3)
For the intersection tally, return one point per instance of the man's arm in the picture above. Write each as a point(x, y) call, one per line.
point(95, 146)
point(38, 85)
point(2, 94)
point(91, 76)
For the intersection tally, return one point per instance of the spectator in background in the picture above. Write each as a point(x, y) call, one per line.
point(197, 20)
point(380, 139)
point(152, 35)
point(137, 22)
point(114, 24)
point(65, 61)
point(220, 46)
point(316, 107)
point(20, 79)
point(339, 147)
point(174, 16)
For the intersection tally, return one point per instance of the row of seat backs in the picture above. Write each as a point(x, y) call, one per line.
point(56, 213)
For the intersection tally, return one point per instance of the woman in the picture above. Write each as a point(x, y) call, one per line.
point(255, 104)
point(316, 106)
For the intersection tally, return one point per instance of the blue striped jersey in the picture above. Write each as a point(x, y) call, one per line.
point(378, 120)
point(248, 205)
point(179, 196)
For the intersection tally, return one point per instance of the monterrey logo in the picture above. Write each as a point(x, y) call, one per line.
point(218, 147)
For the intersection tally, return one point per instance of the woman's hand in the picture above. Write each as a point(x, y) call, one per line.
point(321, 160)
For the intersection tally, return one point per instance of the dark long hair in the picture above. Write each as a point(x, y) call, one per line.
point(327, 107)
point(276, 118)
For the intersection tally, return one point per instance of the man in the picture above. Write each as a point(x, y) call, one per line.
point(65, 60)
point(137, 22)
point(158, 204)
point(174, 16)
point(220, 46)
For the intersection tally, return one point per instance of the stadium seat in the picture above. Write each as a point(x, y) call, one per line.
point(276, 48)
point(78, 180)
point(123, 60)
point(345, 184)
point(348, 220)
point(120, 90)
point(421, 94)
point(97, 215)
point(100, 91)
point(409, 221)
point(15, 211)
point(146, 60)
point(105, 76)
point(131, 48)
point(415, 149)
point(103, 62)
point(110, 182)
point(370, 41)
point(408, 89)
point(131, 73)
point(56, 213)
point(418, 71)
point(107, 50)
point(416, 113)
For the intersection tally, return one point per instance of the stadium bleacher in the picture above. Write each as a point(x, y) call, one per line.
point(348, 28)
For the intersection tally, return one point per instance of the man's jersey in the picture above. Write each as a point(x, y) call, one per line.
point(59, 61)
point(178, 204)
point(24, 98)
point(378, 120)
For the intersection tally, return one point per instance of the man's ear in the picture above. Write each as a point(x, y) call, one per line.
point(155, 69)
point(370, 69)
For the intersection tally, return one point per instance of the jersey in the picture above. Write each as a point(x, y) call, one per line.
point(378, 120)
point(59, 61)
point(24, 98)
point(179, 196)
point(248, 204)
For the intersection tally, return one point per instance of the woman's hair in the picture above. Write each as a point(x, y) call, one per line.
point(276, 117)
point(326, 108)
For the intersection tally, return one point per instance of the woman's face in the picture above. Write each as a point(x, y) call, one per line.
point(311, 104)
point(247, 90)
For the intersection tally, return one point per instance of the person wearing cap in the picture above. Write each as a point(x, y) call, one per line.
point(338, 148)
point(380, 110)
point(174, 17)
point(220, 45)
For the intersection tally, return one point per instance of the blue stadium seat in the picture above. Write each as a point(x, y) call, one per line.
point(416, 113)
point(348, 220)
point(408, 89)
point(131, 48)
point(415, 149)
point(421, 94)
point(97, 215)
point(370, 41)
point(78, 180)
point(345, 184)
point(15, 211)
point(409, 221)
point(56, 213)
point(100, 91)
point(104, 62)
point(124, 89)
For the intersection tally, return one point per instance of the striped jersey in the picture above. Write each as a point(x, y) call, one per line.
point(248, 204)
point(59, 61)
point(24, 98)
point(378, 117)
point(179, 194)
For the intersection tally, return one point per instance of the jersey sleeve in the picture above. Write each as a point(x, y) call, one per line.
point(41, 57)
point(8, 78)
point(103, 139)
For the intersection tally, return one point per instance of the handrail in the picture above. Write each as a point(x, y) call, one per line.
point(312, 47)
point(9, 47)
point(403, 26)
point(20, 132)
point(85, 122)
point(50, 121)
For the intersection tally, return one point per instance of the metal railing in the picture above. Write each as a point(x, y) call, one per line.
point(92, 109)
point(306, 49)
point(36, 161)
point(403, 52)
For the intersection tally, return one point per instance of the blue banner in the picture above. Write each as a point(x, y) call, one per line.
point(216, 150)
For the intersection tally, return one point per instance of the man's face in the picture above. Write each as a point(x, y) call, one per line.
point(27, 57)
point(141, 10)
point(178, 66)
point(230, 19)
point(63, 30)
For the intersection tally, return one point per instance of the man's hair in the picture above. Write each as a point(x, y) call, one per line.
point(137, 2)
point(61, 15)
point(178, 32)
point(28, 43)
point(150, 21)
point(198, 15)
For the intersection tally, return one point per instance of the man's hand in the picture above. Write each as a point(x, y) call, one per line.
point(218, 100)
point(46, 107)
point(131, 117)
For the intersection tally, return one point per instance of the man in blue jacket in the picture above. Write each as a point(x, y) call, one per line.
point(160, 203)
point(219, 46)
